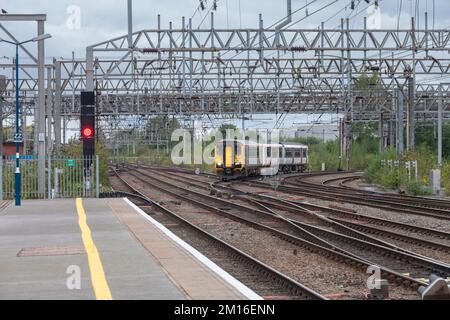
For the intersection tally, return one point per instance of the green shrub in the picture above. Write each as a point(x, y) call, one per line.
point(445, 177)
point(398, 177)
point(391, 179)
point(374, 170)
point(417, 189)
point(74, 149)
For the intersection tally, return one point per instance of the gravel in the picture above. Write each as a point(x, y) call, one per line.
point(312, 269)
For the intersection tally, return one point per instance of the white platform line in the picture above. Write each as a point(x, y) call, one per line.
point(243, 289)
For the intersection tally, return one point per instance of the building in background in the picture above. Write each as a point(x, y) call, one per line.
point(9, 150)
point(324, 132)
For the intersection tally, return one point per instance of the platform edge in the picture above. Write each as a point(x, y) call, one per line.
point(239, 286)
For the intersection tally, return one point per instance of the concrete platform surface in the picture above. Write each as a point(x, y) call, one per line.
point(101, 249)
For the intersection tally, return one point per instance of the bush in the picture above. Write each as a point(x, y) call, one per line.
point(394, 178)
point(417, 189)
point(374, 171)
point(445, 177)
point(391, 179)
point(75, 150)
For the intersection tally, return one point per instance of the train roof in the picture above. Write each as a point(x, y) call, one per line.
point(293, 145)
point(284, 144)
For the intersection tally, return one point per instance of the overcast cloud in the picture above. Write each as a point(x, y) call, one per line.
point(105, 19)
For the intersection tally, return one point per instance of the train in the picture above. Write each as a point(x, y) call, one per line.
point(239, 158)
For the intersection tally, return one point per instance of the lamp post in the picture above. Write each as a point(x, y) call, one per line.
point(18, 135)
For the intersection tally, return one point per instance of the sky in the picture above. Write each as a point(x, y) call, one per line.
point(105, 19)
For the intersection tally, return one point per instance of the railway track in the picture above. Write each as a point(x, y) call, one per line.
point(416, 200)
point(159, 182)
point(366, 228)
point(372, 225)
point(280, 204)
point(433, 208)
point(265, 279)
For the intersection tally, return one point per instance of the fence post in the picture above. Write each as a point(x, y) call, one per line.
point(97, 177)
point(1, 174)
point(56, 183)
point(49, 177)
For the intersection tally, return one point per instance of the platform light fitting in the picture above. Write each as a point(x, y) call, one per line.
point(42, 37)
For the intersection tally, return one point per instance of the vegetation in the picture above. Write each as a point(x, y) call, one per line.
point(151, 154)
point(75, 150)
point(365, 156)
point(364, 148)
point(365, 153)
point(395, 176)
point(224, 128)
point(162, 127)
point(365, 82)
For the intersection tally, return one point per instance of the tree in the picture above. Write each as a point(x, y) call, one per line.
point(427, 135)
point(162, 127)
point(225, 127)
point(365, 82)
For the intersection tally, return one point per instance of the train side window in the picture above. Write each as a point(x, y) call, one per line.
point(269, 152)
point(288, 153)
point(298, 154)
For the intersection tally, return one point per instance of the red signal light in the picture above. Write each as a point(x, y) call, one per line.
point(88, 133)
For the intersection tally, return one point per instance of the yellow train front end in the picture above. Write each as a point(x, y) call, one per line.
point(230, 159)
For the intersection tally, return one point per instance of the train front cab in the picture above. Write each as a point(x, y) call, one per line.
point(229, 159)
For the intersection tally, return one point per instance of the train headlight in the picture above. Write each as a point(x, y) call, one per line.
point(219, 165)
point(238, 164)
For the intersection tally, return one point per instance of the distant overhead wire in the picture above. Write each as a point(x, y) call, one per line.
point(400, 54)
point(399, 15)
point(240, 15)
point(228, 16)
point(292, 24)
point(434, 12)
point(206, 15)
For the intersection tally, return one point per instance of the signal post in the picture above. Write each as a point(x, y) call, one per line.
point(87, 127)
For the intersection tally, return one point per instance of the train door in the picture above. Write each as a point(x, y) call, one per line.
point(297, 158)
point(229, 155)
point(219, 154)
point(303, 159)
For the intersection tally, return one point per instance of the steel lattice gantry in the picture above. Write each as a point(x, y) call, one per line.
point(235, 72)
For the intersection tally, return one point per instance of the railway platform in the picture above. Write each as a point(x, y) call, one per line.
point(102, 249)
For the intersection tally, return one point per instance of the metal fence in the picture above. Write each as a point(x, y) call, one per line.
point(64, 178)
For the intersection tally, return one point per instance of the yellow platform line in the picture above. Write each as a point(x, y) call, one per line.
point(98, 279)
